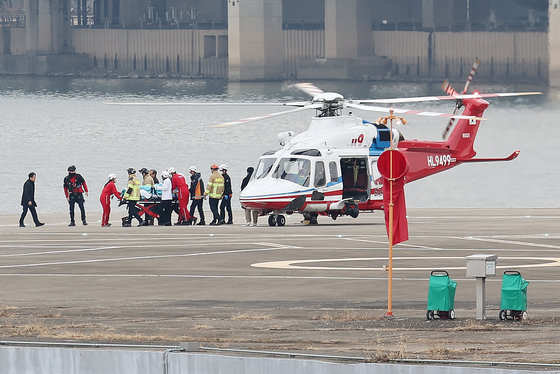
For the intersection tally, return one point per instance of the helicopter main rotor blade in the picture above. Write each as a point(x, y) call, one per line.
point(408, 111)
point(266, 116)
point(399, 100)
point(309, 89)
point(155, 103)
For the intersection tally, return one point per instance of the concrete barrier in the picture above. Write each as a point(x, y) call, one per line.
point(58, 360)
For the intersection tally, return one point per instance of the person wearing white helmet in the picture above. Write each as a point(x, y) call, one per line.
point(106, 194)
point(166, 199)
point(197, 194)
point(226, 198)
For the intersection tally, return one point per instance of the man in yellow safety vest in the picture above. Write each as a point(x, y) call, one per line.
point(215, 190)
point(132, 196)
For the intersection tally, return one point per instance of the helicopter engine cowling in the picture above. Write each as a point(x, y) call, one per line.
point(284, 137)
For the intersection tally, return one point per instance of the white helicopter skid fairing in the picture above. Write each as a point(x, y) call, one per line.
point(272, 194)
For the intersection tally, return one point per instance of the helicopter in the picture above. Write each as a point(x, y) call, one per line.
point(331, 168)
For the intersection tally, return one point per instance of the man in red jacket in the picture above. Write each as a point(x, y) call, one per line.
point(178, 183)
point(105, 198)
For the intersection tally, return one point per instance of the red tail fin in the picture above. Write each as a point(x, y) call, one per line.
point(462, 137)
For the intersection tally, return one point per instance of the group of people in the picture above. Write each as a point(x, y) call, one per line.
point(172, 189)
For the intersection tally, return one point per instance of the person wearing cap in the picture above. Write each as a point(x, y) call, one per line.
point(132, 196)
point(74, 188)
point(144, 193)
point(178, 182)
point(197, 194)
point(166, 199)
point(226, 197)
point(28, 200)
point(106, 195)
point(148, 180)
point(249, 213)
point(214, 190)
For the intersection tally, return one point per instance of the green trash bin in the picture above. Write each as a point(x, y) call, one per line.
point(441, 295)
point(514, 296)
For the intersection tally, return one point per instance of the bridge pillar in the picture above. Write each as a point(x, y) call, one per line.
point(255, 40)
point(347, 29)
point(47, 27)
point(348, 45)
point(47, 41)
point(554, 43)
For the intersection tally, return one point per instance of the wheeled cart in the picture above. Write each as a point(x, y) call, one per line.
point(514, 296)
point(441, 296)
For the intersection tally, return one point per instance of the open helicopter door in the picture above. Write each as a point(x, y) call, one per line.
point(355, 178)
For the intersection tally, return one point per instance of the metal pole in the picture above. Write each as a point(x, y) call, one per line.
point(480, 297)
point(391, 206)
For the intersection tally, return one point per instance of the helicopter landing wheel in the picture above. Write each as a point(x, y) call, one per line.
point(280, 220)
point(272, 220)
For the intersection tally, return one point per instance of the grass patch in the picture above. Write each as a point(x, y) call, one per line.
point(474, 325)
point(348, 315)
point(7, 311)
point(251, 317)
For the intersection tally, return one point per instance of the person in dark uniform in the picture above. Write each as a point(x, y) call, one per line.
point(74, 188)
point(226, 198)
point(197, 194)
point(28, 201)
point(251, 216)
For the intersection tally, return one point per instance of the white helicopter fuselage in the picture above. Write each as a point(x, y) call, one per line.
point(321, 170)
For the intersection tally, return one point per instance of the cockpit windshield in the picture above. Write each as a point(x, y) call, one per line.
point(293, 169)
point(264, 167)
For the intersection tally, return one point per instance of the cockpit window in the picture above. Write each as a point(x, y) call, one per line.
point(295, 170)
point(264, 167)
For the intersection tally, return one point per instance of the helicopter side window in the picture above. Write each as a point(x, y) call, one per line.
point(264, 167)
point(333, 171)
point(320, 179)
point(295, 170)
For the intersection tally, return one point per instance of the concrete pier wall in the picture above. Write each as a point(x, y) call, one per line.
point(504, 56)
point(48, 360)
point(517, 57)
point(186, 52)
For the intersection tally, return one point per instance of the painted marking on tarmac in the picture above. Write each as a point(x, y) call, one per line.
point(139, 246)
point(138, 258)
point(276, 245)
point(512, 242)
point(294, 264)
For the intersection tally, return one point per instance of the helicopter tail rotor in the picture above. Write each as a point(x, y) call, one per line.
point(448, 89)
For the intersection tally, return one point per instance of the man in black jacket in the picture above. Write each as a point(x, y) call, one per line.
point(28, 201)
point(226, 198)
point(250, 215)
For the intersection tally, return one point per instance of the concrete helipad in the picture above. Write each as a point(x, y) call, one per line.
point(315, 288)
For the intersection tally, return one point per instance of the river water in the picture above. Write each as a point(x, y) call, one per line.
point(50, 123)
